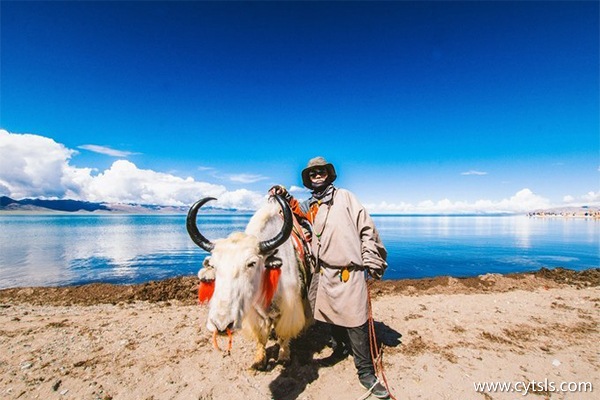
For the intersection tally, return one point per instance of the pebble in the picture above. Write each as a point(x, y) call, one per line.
point(26, 365)
point(555, 362)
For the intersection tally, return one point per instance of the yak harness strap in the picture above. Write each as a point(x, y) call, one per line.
point(297, 240)
point(303, 256)
point(273, 270)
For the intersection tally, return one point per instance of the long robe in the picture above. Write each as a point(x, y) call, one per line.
point(344, 237)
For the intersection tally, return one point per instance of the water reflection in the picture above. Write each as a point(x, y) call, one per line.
point(58, 250)
point(522, 231)
point(467, 246)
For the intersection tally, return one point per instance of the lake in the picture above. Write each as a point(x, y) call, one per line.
point(56, 250)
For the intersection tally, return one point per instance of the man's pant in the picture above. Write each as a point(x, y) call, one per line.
point(358, 340)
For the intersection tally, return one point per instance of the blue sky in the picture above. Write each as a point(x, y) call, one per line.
point(421, 106)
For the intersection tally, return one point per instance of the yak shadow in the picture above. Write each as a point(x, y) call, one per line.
point(304, 369)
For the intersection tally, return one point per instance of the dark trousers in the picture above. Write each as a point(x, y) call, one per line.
point(357, 339)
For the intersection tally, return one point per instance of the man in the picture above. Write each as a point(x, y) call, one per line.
point(346, 245)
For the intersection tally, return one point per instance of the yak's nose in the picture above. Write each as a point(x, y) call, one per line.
point(222, 327)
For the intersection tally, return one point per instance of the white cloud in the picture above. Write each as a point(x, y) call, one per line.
point(523, 201)
point(105, 150)
point(241, 199)
point(246, 178)
point(298, 189)
point(589, 199)
point(36, 166)
point(124, 182)
point(473, 172)
point(237, 178)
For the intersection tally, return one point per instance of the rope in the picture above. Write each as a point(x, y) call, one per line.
point(376, 352)
point(367, 393)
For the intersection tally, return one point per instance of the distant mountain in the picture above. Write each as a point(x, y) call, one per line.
point(5, 201)
point(39, 205)
point(8, 204)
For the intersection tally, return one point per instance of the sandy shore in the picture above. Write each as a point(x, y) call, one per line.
point(440, 337)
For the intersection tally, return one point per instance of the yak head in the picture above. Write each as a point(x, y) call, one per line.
point(240, 262)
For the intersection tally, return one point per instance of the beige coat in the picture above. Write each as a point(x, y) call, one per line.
point(344, 235)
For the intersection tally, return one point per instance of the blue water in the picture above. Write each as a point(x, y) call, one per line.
point(51, 250)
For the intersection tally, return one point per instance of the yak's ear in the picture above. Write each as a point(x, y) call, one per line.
point(206, 262)
point(273, 262)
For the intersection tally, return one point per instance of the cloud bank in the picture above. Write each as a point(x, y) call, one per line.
point(37, 166)
point(588, 198)
point(523, 201)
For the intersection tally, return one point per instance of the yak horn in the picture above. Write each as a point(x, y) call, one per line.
point(271, 244)
point(192, 228)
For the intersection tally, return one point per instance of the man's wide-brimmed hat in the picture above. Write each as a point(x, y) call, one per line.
point(316, 163)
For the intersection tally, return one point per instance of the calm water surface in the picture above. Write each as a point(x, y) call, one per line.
point(74, 249)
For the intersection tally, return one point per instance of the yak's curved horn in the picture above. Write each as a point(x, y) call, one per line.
point(192, 228)
point(271, 244)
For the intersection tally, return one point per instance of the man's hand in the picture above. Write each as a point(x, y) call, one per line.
point(280, 190)
point(376, 273)
point(306, 229)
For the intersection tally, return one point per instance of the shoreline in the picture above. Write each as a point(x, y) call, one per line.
point(184, 288)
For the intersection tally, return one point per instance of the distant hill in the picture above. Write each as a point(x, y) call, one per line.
point(38, 205)
point(8, 204)
point(5, 201)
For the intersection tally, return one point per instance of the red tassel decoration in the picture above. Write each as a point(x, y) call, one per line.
point(270, 280)
point(205, 291)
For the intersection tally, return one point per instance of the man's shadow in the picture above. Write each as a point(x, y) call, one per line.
point(304, 369)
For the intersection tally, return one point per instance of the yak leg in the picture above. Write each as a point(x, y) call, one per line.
point(284, 351)
point(260, 356)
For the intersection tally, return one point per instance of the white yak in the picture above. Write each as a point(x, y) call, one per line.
point(246, 267)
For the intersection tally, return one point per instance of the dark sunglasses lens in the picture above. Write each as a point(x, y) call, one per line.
point(317, 171)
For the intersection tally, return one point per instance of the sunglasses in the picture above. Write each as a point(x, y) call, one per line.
point(317, 172)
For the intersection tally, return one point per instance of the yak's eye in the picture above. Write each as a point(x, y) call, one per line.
point(251, 264)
